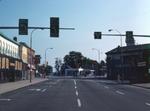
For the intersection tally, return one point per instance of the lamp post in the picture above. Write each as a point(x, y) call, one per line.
point(46, 53)
point(98, 52)
point(31, 52)
point(110, 30)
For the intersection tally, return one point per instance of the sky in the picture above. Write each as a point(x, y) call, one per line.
point(86, 16)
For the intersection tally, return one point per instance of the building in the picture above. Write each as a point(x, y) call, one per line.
point(10, 62)
point(129, 63)
point(16, 59)
point(27, 56)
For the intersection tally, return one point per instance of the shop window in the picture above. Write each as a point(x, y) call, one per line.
point(7, 63)
point(3, 63)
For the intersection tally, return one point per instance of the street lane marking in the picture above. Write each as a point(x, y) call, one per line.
point(77, 93)
point(148, 104)
point(79, 102)
point(5, 99)
point(38, 89)
point(106, 87)
point(75, 87)
point(119, 92)
point(75, 82)
point(32, 89)
point(44, 90)
point(35, 89)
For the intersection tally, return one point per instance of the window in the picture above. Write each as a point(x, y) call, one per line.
point(3, 63)
point(7, 63)
point(0, 62)
point(6, 51)
point(0, 46)
point(3, 47)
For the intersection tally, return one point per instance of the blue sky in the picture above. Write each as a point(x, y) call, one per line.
point(86, 16)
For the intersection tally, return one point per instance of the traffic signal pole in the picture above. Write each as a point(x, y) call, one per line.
point(125, 35)
point(13, 27)
point(23, 30)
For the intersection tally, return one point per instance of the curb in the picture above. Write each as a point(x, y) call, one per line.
point(21, 87)
point(141, 86)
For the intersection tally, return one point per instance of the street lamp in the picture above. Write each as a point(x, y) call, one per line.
point(31, 51)
point(110, 30)
point(46, 53)
point(98, 52)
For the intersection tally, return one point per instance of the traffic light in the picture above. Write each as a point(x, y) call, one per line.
point(129, 38)
point(37, 59)
point(129, 34)
point(97, 35)
point(23, 26)
point(54, 27)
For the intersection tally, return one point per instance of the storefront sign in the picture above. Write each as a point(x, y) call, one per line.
point(141, 64)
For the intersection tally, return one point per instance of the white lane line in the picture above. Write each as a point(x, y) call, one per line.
point(75, 82)
point(43, 90)
point(77, 93)
point(119, 92)
point(38, 89)
point(34, 89)
point(106, 87)
point(5, 99)
point(148, 104)
point(79, 102)
point(75, 87)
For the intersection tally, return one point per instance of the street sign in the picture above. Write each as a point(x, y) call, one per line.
point(54, 27)
point(97, 35)
point(23, 26)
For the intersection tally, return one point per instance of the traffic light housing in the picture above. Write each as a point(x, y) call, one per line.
point(23, 26)
point(129, 38)
point(54, 27)
point(37, 59)
point(97, 35)
point(129, 33)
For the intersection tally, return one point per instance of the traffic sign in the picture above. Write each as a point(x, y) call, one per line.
point(97, 35)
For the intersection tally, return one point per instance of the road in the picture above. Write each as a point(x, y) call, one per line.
point(76, 95)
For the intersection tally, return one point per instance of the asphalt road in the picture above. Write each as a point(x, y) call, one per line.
point(76, 95)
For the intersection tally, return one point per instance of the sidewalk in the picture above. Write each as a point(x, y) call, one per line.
point(143, 85)
point(10, 86)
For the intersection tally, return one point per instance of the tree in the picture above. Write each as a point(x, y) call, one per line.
point(74, 59)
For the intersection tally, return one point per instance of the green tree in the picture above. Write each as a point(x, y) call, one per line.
point(73, 59)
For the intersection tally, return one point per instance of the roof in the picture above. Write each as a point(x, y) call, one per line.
point(129, 48)
point(5, 37)
point(24, 44)
point(20, 43)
